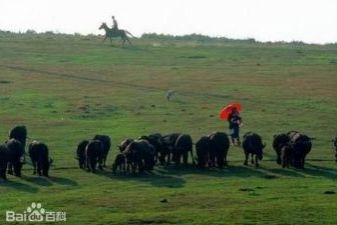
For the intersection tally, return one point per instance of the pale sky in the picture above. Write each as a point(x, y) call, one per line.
point(312, 21)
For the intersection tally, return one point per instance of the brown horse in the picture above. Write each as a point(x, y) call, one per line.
point(111, 33)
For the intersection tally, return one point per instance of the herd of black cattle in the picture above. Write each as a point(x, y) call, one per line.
point(142, 154)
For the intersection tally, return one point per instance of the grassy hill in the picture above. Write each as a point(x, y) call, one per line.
point(67, 89)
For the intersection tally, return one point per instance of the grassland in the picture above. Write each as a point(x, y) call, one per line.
point(65, 90)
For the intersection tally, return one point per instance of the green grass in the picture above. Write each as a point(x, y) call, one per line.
point(65, 90)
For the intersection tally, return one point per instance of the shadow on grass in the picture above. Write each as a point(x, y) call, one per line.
point(19, 186)
point(230, 171)
point(287, 172)
point(320, 171)
point(63, 181)
point(155, 178)
point(172, 176)
point(44, 181)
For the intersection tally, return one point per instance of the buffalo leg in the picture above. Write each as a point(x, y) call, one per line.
point(10, 168)
point(93, 165)
point(100, 163)
point(256, 161)
point(103, 161)
point(39, 168)
point(134, 168)
point(140, 166)
point(128, 167)
point(302, 163)
point(119, 168)
point(34, 167)
point(225, 159)
point(185, 158)
point(3, 174)
point(81, 163)
point(278, 160)
point(88, 165)
point(17, 168)
point(123, 168)
point(168, 158)
point(161, 157)
point(285, 160)
point(3, 168)
point(193, 161)
point(211, 162)
point(246, 159)
point(45, 170)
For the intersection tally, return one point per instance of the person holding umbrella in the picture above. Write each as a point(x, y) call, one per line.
point(235, 122)
point(232, 115)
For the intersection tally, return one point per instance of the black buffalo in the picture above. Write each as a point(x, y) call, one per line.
point(106, 141)
point(39, 155)
point(140, 155)
point(219, 149)
point(3, 161)
point(252, 144)
point(119, 163)
point(15, 156)
point(300, 146)
point(282, 148)
point(19, 133)
point(203, 147)
point(80, 152)
point(181, 148)
point(93, 155)
point(156, 141)
point(167, 147)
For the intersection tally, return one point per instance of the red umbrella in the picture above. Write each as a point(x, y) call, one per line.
point(225, 112)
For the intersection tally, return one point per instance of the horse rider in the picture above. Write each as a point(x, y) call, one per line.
point(115, 24)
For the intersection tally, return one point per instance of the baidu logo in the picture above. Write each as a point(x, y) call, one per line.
point(35, 213)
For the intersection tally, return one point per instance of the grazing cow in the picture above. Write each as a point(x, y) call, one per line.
point(80, 152)
point(203, 147)
point(167, 146)
point(279, 144)
point(106, 140)
point(93, 155)
point(300, 146)
point(15, 156)
point(120, 163)
point(3, 161)
point(335, 145)
point(39, 154)
point(252, 144)
point(182, 146)
point(156, 141)
point(219, 149)
point(140, 155)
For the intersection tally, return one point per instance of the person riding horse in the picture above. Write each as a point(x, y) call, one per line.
point(115, 32)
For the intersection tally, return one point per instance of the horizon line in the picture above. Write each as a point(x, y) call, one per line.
point(57, 32)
